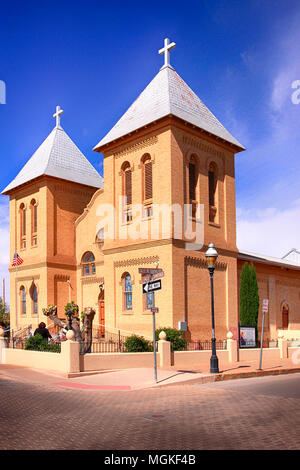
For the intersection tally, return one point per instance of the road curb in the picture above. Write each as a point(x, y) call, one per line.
point(242, 375)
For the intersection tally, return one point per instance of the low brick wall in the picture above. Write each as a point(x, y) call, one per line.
point(254, 354)
point(35, 359)
point(194, 358)
point(70, 361)
point(110, 361)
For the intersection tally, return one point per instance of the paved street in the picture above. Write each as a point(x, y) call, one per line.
point(256, 413)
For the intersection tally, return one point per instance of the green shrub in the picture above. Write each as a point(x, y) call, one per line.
point(38, 343)
point(138, 344)
point(71, 306)
point(176, 338)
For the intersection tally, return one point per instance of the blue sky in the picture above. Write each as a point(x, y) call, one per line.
point(93, 58)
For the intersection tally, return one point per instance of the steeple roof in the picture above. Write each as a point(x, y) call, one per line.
point(58, 156)
point(167, 94)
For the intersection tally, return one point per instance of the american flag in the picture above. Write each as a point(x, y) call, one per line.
point(16, 260)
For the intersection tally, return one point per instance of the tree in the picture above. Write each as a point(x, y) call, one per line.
point(249, 298)
point(83, 335)
point(4, 314)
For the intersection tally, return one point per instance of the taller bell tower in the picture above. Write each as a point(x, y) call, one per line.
point(169, 145)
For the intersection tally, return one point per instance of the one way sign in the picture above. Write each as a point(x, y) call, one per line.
point(151, 286)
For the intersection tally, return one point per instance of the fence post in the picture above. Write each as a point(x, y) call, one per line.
point(164, 350)
point(70, 351)
point(2, 345)
point(232, 348)
point(283, 346)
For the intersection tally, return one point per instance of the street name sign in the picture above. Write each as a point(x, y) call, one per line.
point(151, 286)
point(152, 277)
point(265, 306)
point(150, 270)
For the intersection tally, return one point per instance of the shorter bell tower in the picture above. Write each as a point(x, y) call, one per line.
point(45, 199)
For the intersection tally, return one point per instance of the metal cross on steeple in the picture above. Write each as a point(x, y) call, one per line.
point(57, 115)
point(166, 51)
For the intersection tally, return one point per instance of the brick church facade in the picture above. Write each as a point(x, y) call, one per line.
point(167, 151)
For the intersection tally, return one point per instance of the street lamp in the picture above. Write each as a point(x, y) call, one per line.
point(211, 257)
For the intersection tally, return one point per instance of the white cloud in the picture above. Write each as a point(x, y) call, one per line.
point(270, 231)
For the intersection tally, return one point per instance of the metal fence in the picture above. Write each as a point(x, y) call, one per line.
point(110, 341)
point(270, 343)
point(205, 345)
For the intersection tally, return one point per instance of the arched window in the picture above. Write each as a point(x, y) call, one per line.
point(34, 299)
point(23, 300)
point(127, 292)
point(212, 193)
point(33, 209)
point(88, 266)
point(147, 184)
point(22, 226)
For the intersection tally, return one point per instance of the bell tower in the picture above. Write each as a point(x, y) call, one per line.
point(168, 145)
point(46, 197)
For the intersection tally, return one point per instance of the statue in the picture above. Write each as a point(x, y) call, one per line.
point(84, 334)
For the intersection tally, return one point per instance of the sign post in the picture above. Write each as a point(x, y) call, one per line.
point(265, 309)
point(151, 285)
point(154, 310)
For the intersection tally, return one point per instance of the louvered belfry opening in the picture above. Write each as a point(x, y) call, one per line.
point(33, 206)
point(148, 180)
point(127, 183)
point(192, 186)
point(147, 185)
point(192, 181)
point(212, 185)
point(22, 226)
point(127, 191)
point(211, 182)
point(128, 186)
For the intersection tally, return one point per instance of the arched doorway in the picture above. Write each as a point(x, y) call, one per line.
point(101, 314)
point(285, 317)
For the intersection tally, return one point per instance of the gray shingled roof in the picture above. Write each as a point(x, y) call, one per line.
point(58, 156)
point(167, 94)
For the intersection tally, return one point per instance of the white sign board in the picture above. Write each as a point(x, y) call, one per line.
point(247, 337)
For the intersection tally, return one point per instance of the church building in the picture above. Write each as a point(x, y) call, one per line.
point(85, 239)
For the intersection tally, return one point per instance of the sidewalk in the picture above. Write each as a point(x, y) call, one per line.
point(143, 378)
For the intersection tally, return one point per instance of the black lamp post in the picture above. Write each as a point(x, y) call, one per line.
point(211, 257)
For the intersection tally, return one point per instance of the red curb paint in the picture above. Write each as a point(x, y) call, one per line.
point(158, 416)
point(93, 387)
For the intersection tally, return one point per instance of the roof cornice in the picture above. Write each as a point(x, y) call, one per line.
point(166, 121)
